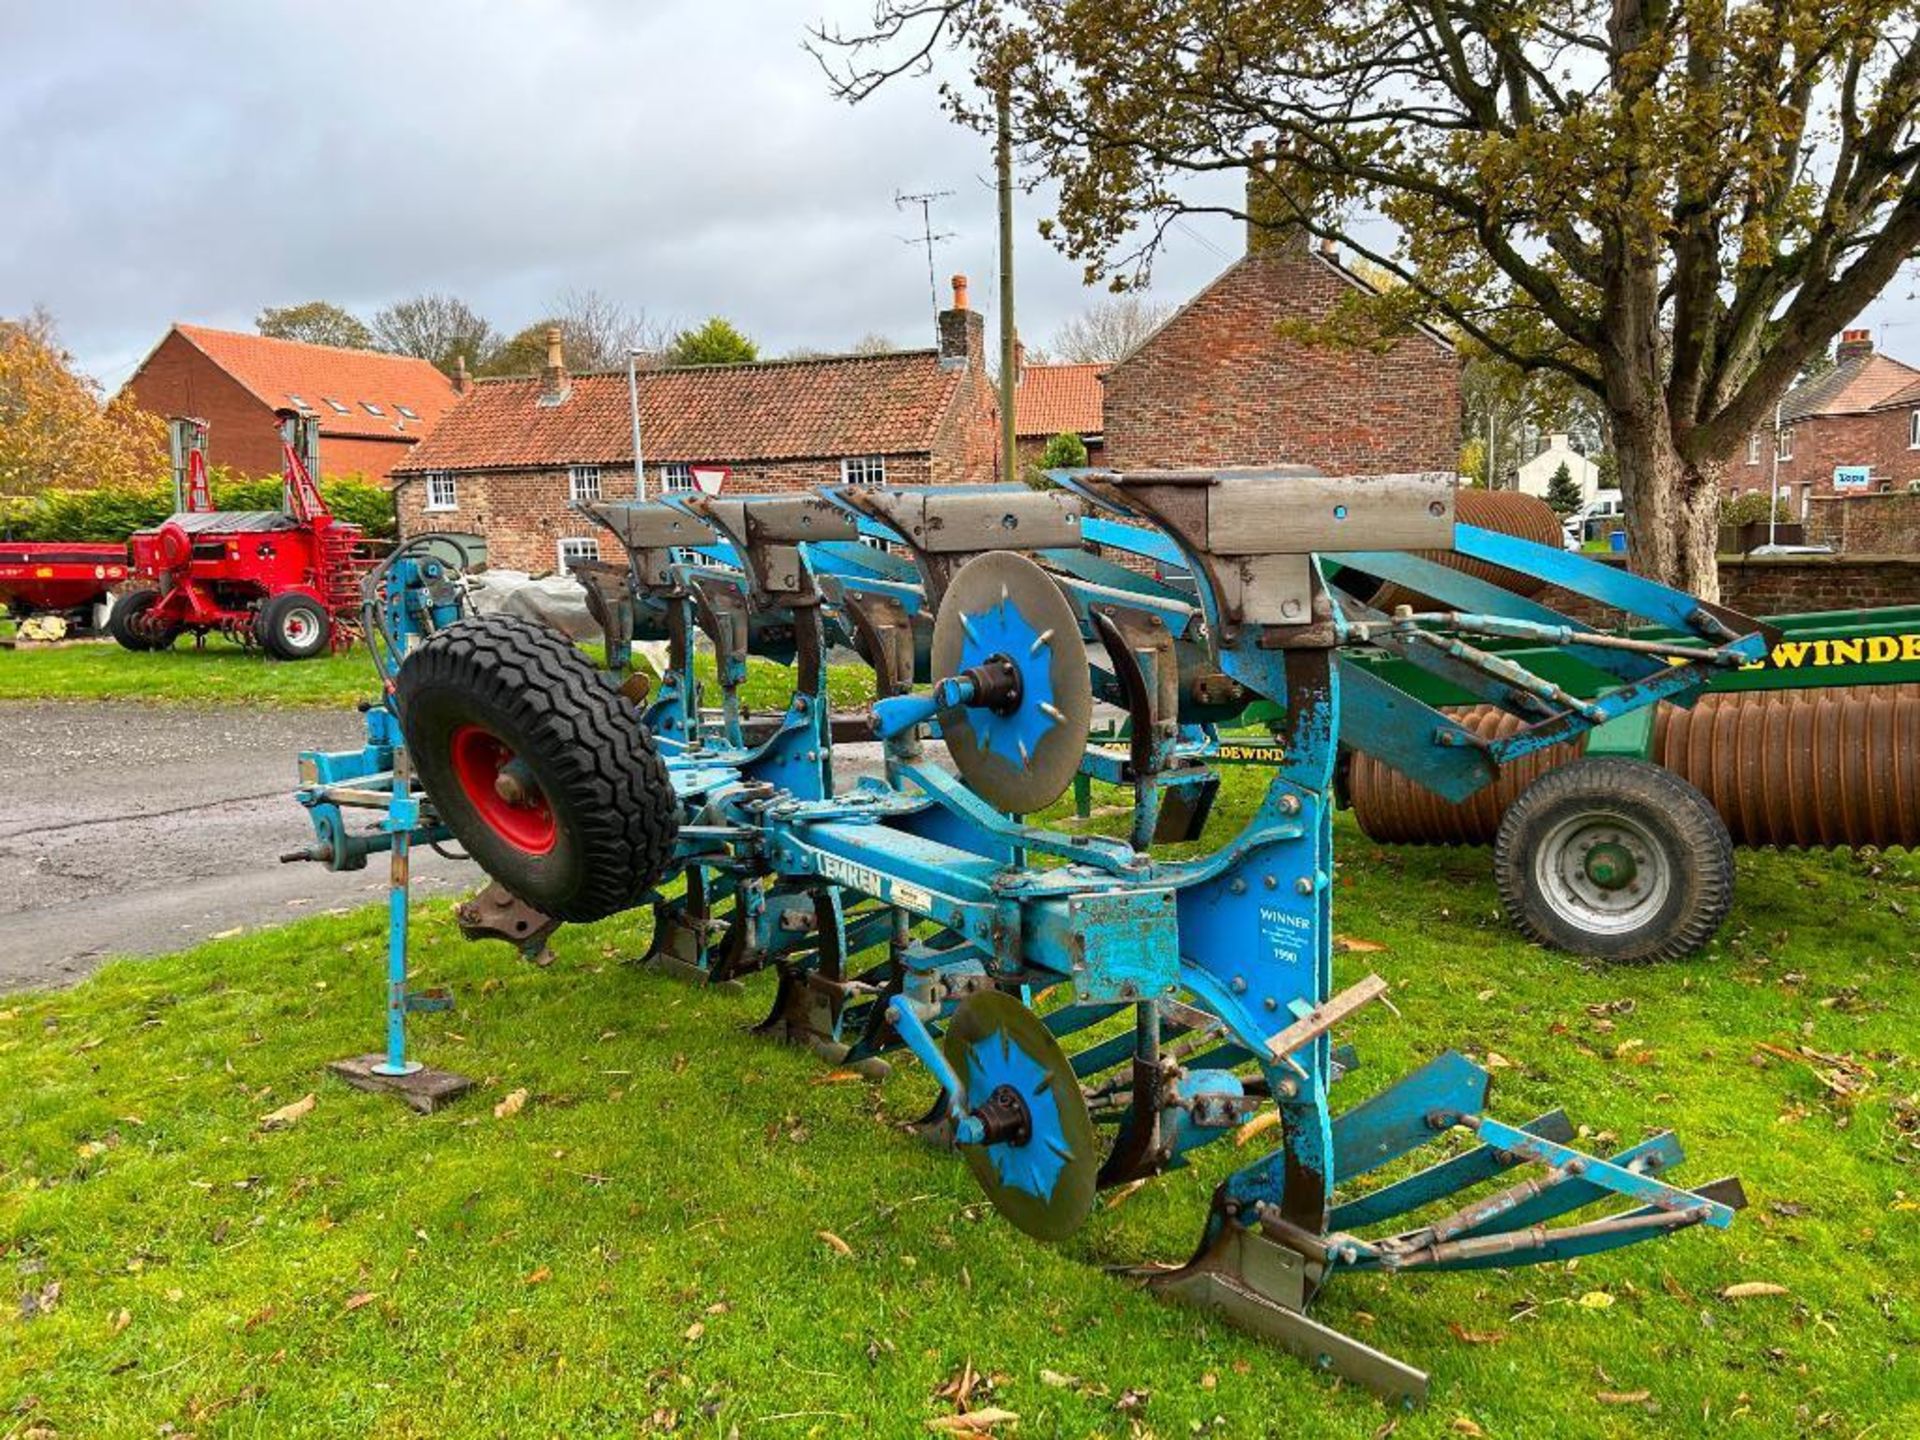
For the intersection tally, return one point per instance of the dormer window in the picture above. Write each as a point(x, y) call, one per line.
point(335, 405)
point(373, 409)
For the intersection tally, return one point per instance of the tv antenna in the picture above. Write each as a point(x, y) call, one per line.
point(926, 237)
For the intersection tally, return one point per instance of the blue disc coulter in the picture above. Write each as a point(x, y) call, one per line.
point(1094, 1010)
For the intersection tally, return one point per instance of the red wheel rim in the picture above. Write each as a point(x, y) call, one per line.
point(479, 758)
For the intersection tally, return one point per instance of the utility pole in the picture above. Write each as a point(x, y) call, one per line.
point(633, 402)
point(926, 237)
point(1773, 503)
point(1003, 164)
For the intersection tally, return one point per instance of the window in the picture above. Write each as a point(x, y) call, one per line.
point(1753, 448)
point(372, 409)
point(442, 493)
point(676, 479)
point(583, 483)
point(1783, 443)
point(338, 408)
point(305, 409)
point(1913, 429)
point(573, 550)
point(863, 470)
point(877, 542)
point(407, 412)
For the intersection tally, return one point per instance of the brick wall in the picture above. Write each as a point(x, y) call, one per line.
point(1866, 524)
point(1764, 585)
point(1820, 443)
point(1219, 386)
point(242, 433)
point(179, 379)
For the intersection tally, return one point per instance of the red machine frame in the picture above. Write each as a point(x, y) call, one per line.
point(287, 580)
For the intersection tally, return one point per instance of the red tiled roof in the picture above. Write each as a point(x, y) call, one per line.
point(842, 405)
point(1058, 399)
point(1852, 386)
point(276, 371)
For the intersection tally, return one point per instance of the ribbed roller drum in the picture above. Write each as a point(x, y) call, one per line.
point(1812, 769)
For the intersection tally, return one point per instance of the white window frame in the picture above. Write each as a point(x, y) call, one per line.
point(584, 547)
point(434, 480)
point(676, 478)
point(583, 483)
point(1753, 448)
point(1783, 443)
point(863, 470)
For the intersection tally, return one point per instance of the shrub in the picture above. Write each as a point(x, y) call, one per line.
point(112, 513)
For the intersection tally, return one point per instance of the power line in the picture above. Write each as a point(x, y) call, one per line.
point(926, 237)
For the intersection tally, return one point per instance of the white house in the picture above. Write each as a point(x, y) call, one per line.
point(1535, 475)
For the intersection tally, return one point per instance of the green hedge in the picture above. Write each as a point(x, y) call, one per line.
point(114, 513)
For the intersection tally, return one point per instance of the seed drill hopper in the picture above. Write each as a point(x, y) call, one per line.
point(1095, 1011)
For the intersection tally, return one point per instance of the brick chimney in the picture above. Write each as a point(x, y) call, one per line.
point(1854, 345)
point(462, 382)
point(963, 333)
point(554, 385)
point(1270, 209)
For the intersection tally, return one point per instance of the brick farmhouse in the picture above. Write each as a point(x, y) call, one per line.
point(373, 408)
point(516, 454)
point(1052, 400)
point(1222, 382)
point(1863, 415)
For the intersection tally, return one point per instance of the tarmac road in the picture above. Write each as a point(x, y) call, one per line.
point(131, 829)
point(137, 830)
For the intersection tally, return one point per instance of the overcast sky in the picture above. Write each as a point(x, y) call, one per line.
point(199, 161)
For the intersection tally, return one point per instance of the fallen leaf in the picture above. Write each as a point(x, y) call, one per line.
point(540, 1276)
point(1123, 1193)
point(289, 1115)
point(974, 1422)
point(511, 1105)
point(1752, 1290)
point(355, 1301)
point(1463, 1426)
point(694, 1331)
point(92, 1148)
point(1057, 1380)
point(94, 1044)
point(1595, 1300)
point(228, 934)
point(120, 1320)
point(1497, 1061)
point(834, 1242)
point(1475, 1337)
point(1623, 1397)
point(837, 1077)
point(1352, 945)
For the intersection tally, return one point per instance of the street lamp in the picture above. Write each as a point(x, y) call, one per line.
point(633, 401)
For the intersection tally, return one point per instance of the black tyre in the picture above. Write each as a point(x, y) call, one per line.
point(1616, 859)
point(539, 766)
point(127, 622)
point(293, 627)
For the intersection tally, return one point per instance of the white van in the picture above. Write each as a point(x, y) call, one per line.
point(1605, 511)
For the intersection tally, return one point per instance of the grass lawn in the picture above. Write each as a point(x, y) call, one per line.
point(638, 1250)
point(224, 673)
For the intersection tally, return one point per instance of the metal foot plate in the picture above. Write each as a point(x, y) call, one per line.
point(425, 1090)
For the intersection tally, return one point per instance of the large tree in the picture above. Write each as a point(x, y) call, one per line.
point(717, 342)
point(55, 432)
point(1107, 330)
point(1670, 206)
point(435, 327)
point(316, 322)
point(596, 333)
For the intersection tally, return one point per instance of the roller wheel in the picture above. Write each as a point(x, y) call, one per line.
point(539, 766)
point(124, 622)
point(293, 627)
point(1616, 859)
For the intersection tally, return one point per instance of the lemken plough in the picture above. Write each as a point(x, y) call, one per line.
point(1094, 1011)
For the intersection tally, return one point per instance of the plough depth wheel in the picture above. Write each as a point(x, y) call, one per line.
point(538, 765)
